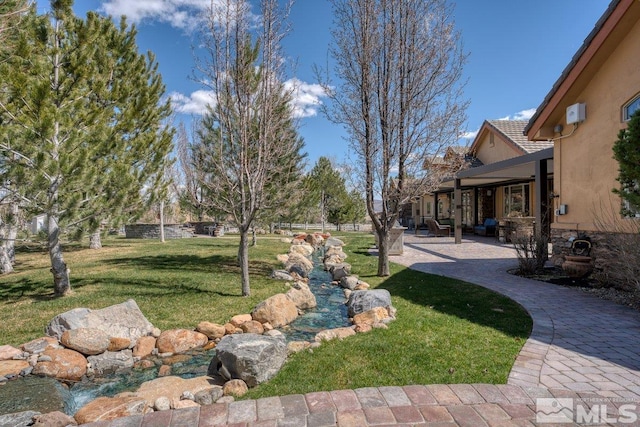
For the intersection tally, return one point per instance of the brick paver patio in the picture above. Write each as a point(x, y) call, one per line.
point(581, 348)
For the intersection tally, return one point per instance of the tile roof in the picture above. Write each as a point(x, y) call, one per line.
point(513, 130)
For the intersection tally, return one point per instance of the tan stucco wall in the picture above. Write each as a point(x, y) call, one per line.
point(488, 152)
point(584, 169)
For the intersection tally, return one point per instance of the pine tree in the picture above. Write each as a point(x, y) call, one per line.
point(627, 152)
point(83, 131)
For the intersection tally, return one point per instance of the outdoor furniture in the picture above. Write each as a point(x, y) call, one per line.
point(437, 229)
point(488, 228)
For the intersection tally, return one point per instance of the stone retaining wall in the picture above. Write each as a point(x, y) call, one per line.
point(152, 231)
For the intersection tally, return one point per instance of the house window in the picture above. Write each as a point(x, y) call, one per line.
point(516, 200)
point(440, 207)
point(428, 208)
point(630, 108)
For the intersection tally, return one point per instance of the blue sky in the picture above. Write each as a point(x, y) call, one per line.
point(517, 50)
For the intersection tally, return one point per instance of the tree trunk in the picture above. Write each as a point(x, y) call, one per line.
point(61, 283)
point(243, 260)
point(95, 240)
point(6, 266)
point(12, 232)
point(254, 238)
point(162, 221)
point(383, 253)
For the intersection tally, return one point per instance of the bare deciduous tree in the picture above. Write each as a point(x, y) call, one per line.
point(400, 97)
point(247, 150)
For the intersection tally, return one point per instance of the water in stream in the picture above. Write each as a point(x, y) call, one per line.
point(331, 312)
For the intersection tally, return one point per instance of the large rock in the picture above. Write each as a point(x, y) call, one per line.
point(171, 387)
point(88, 341)
point(349, 282)
point(301, 295)
point(249, 357)
point(371, 317)
point(332, 241)
point(18, 419)
point(282, 274)
point(123, 320)
point(361, 301)
point(299, 264)
point(39, 345)
point(180, 340)
point(332, 334)
point(62, 364)
point(8, 352)
point(212, 330)
point(304, 249)
point(111, 361)
point(277, 310)
point(54, 419)
point(144, 347)
point(338, 271)
point(110, 408)
point(12, 367)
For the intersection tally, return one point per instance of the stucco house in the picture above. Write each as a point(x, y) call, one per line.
point(582, 114)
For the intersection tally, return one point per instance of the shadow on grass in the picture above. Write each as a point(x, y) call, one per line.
point(462, 300)
point(213, 263)
point(26, 288)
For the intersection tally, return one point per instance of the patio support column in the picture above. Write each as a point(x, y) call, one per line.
point(435, 205)
point(457, 196)
point(542, 200)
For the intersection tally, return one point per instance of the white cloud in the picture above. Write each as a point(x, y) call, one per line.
point(183, 14)
point(306, 97)
point(196, 103)
point(521, 115)
point(470, 135)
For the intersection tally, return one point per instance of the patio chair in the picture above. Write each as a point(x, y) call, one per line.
point(488, 228)
point(438, 230)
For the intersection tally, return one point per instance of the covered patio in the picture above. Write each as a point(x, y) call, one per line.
point(536, 167)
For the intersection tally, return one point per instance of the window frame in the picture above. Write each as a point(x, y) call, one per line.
point(507, 208)
point(627, 112)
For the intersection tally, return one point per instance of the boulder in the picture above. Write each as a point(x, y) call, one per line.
point(316, 240)
point(62, 364)
point(87, 341)
point(282, 275)
point(144, 347)
point(18, 419)
point(338, 271)
point(335, 252)
point(304, 249)
point(171, 387)
point(337, 333)
point(110, 361)
point(211, 330)
point(237, 388)
point(333, 241)
point(301, 295)
point(185, 403)
point(123, 320)
point(249, 357)
point(297, 346)
point(349, 282)
point(180, 340)
point(299, 264)
point(8, 352)
point(162, 404)
point(371, 317)
point(252, 327)
point(117, 343)
point(39, 345)
point(110, 408)
point(53, 419)
point(278, 310)
point(239, 319)
point(9, 368)
point(361, 301)
point(208, 396)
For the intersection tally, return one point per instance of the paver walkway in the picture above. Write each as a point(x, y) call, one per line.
point(581, 347)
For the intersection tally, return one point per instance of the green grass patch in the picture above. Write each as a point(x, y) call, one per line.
point(447, 331)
